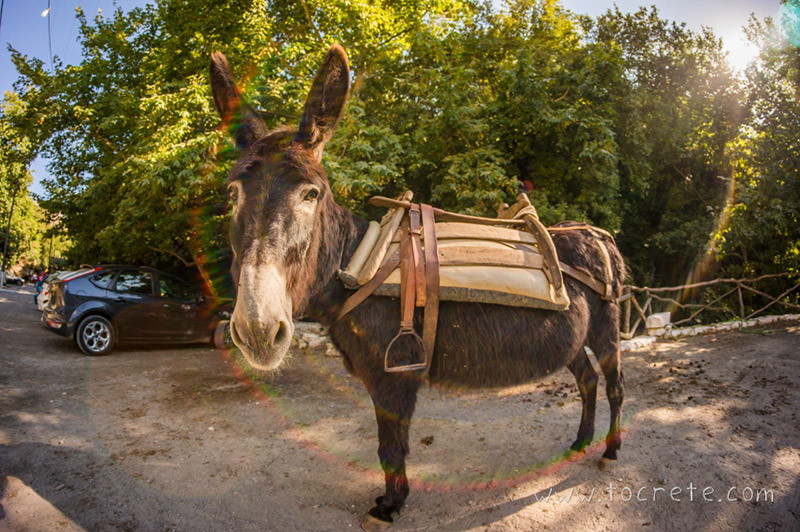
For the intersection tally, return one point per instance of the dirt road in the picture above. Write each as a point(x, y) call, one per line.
point(181, 439)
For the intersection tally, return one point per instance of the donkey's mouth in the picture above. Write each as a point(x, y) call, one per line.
point(261, 353)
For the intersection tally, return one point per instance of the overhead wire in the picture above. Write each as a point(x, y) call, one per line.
point(50, 36)
point(72, 27)
point(2, 5)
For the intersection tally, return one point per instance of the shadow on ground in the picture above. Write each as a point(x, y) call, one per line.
point(181, 438)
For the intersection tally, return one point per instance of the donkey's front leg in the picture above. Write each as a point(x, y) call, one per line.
point(394, 396)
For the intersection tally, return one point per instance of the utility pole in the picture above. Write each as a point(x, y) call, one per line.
point(8, 231)
point(50, 253)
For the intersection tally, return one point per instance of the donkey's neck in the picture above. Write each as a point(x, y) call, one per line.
point(341, 232)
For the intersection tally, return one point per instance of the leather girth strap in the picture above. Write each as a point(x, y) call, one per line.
point(431, 285)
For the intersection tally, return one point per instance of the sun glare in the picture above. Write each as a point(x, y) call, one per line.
point(740, 52)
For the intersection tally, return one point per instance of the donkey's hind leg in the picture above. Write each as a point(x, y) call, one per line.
point(586, 377)
point(605, 344)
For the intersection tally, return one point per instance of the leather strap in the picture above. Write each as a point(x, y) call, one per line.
point(408, 275)
point(412, 282)
point(609, 273)
point(546, 248)
point(606, 290)
point(431, 285)
point(585, 227)
point(415, 233)
point(579, 274)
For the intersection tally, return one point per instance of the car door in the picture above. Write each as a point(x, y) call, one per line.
point(181, 308)
point(138, 311)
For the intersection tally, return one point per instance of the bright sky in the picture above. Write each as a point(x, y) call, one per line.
point(725, 17)
point(24, 28)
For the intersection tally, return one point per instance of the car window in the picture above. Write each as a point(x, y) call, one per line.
point(134, 282)
point(102, 279)
point(175, 289)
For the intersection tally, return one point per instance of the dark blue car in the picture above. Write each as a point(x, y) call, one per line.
point(111, 304)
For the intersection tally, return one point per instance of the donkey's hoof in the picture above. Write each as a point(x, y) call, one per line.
point(575, 456)
point(371, 523)
point(606, 464)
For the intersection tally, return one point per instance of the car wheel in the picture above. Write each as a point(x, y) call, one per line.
point(222, 335)
point(95, 336)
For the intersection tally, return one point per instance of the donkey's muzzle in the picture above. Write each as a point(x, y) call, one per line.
point(261, 324)
point(264, 345)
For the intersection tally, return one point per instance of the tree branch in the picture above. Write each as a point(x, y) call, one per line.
point(404, 31)
point(168, 252)
point(311, 22)
point(562, 96)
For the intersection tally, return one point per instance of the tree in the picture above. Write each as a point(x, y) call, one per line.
point(678, 111)
point(764, 231)
point(467, 115)
point(135, 151)
point(19, 215)
point(129, 131)
point(627, 121)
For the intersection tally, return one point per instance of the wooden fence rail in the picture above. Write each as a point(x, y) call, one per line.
point(631, 294)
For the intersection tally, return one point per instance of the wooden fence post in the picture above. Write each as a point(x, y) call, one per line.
point(740, 286)
point(627, 331)
point(741, 300)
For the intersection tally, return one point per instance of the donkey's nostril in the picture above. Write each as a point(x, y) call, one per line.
point(281, 334)
point(237, 339)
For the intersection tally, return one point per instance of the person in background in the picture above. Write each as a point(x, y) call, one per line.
point(40, 277)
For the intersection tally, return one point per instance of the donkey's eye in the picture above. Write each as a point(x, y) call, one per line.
point(311, 195)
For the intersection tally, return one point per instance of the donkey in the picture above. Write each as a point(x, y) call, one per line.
point(290, 238)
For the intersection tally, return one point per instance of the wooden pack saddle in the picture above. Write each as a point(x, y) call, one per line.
point(423, 255)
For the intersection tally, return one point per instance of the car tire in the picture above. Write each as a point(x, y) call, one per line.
point(95, 336)
point(221, 339)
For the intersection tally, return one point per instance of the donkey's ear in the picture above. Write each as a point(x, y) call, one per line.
point(246, 126)
point(325, 101)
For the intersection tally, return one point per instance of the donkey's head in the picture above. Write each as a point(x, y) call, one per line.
point(279, 191)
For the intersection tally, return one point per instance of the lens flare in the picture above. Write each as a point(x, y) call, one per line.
point(347, 393)
point(337, 386)
point(789, 16)
point(704, 268)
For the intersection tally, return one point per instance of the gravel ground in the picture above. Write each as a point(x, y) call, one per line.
point(165, 438)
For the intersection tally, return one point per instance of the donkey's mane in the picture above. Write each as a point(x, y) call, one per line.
point(334, 240)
